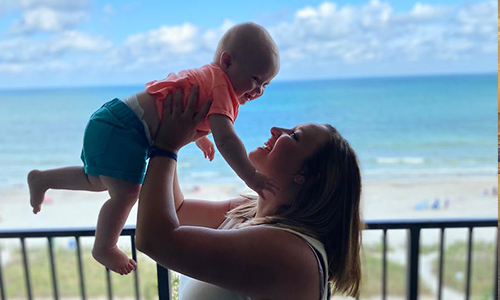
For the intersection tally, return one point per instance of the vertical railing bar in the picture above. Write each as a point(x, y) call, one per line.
point(384, 264)
point(2, 286)
point(441, 264)
point(80, 267)
point(110, 287)
point(26, 268)
point(53, 268)
point(412, 268)
point(136, 272)
point(469, 264)
point(163, 283)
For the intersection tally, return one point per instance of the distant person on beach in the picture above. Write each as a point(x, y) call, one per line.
point(118, 138)
point(301, 243)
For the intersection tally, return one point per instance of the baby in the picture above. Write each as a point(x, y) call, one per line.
point(120, 134)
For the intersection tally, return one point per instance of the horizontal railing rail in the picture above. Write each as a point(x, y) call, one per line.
point(413, 226)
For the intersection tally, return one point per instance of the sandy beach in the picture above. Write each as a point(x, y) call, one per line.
point(458, 197)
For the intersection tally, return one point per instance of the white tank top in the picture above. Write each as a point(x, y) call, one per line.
point(192, 289)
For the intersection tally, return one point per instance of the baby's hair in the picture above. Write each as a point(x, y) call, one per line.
point(246, 39)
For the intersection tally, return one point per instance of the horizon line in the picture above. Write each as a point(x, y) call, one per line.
point(50, 87)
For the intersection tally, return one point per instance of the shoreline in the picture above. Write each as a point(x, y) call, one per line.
point(436, 198)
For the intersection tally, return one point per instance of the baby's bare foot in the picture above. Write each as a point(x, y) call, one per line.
point(115, 260)
point(37, 190)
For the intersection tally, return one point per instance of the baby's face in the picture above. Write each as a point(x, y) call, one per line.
point(250, 77)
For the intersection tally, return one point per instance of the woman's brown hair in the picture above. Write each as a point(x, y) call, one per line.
point(328, 208)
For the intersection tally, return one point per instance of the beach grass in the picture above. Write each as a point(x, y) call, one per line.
point(482, 268)
point(68, 278)
point(371, 266)
point(123, 286)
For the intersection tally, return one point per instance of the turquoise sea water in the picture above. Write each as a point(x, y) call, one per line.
point(403, 127)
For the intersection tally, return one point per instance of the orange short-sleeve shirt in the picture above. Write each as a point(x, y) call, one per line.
point(213, 83)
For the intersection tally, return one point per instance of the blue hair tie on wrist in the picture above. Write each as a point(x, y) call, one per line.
point(154, 151)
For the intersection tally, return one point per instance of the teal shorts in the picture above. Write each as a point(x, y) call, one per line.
point(115, 144)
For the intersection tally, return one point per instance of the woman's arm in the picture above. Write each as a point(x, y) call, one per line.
point(257, 261)
point(193, 212)
point(244, 260)
point(160, 185)
point(200, 212)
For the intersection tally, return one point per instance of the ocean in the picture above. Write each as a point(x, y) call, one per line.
point(400, 127)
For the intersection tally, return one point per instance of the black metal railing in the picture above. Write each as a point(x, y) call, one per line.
point(164, 289)
point(50, 234)
point(414, 227)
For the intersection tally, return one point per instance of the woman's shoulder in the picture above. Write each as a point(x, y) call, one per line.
point(292, 255)
point(309, 239)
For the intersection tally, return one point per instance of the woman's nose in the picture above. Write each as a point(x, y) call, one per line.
point(274, 131)
point(277, 131)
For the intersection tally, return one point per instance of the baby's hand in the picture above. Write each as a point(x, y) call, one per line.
point(207, 147)
point(260, 182)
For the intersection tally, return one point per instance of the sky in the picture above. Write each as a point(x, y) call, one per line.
point(60, 43)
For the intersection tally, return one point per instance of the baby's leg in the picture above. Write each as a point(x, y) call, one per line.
point(68, 178)
point(112, 217)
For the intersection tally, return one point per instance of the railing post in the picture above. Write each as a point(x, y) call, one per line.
point(2, 286)
point(163, 283)
point(469, 266)
point(110, 285)
point(136, 271)
point(412, 268)
point(26, 268)
point(441, 265)
point(53, 268)
point(80, 268)
point(495, 292)
point(384, 265)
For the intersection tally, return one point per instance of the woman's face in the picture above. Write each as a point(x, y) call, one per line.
point(285, 152)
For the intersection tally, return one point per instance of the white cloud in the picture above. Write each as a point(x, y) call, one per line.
point(22, 50)
point(169, 47)
point(7, 5)
point(47, 19)
point(48, 15)
point(478, 18)
point(374, 32)
point(327, 37)
point(375, 14)
point(167, 39)
point(54, 4)
point(426, 12)
point(77, 41)
point(11, 68)
point(108, 9)
point(48, 67)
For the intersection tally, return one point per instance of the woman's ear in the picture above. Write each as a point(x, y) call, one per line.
point(226, 60)
point(299, 179)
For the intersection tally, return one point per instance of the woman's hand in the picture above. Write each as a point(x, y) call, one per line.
point(178, 125)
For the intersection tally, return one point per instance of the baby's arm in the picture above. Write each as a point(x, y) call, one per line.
point(233, 151)
point(206, 146)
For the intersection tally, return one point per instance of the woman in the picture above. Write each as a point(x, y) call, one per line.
point(296, 244)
